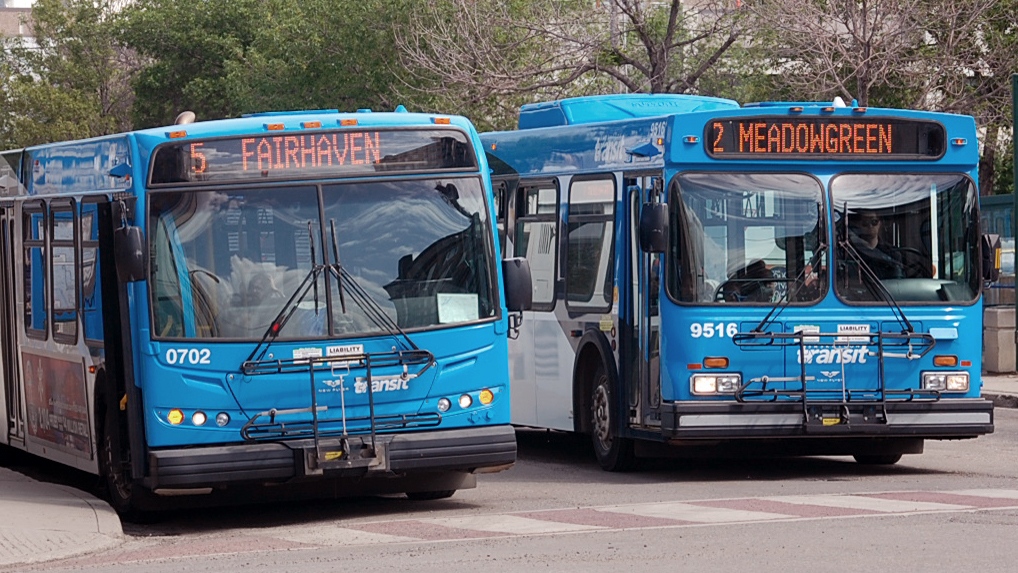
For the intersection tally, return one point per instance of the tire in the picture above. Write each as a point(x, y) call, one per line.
point(614, 453)
point(120, 490)
point(877, 459)
point(429, 495)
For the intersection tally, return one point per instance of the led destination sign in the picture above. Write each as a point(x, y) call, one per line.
point(816, 137)
point(309, 155)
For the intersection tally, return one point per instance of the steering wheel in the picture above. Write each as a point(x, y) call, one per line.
point(915, 263)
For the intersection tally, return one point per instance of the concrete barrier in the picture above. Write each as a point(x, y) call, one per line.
point(999, 339)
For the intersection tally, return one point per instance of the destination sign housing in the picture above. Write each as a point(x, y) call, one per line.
point(314, 154)
point(824, 137)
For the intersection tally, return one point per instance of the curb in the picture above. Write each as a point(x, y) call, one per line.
point(1002, 400)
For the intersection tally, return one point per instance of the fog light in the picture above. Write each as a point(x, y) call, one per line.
point(175, 417)
point(222, 419)
point(444, 404)
point(716, 383)
point(199, 418)
point(486, 396)
point(466, 401)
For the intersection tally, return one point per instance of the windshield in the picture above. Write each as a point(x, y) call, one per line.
point(746, 238)
point(917, 233)
point(224, 263)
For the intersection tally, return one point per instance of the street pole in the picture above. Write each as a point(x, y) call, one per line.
point(1014, 190)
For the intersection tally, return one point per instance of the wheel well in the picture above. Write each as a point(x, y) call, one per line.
point(587, 362)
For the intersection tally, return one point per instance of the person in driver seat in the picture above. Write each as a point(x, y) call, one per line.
point(752, 283)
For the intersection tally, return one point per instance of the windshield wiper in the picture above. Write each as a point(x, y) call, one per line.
point(871, 276)
point(798, 283)
point(346, 282)
point(290, 307)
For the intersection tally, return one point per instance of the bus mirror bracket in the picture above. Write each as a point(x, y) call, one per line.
point(129, 250)
point(654, 228)
point(990, 255)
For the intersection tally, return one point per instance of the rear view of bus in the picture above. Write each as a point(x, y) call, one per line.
point(780, 278)
point(298, 298)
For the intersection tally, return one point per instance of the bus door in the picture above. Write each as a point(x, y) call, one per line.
point(15, 426)
point(644, 368)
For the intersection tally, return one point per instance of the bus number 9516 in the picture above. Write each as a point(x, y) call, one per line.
point(712, 329)
point(188, 356)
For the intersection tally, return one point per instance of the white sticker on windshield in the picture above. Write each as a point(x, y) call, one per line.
point(456, 307)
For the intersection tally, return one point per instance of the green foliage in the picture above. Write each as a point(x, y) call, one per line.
point(71, 83)
point(222, 59)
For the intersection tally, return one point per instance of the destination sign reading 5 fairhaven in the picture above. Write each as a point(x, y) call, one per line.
point(820, 137)
point(311, 154)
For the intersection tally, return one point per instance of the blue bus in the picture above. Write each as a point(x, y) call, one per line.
point(302, 298)
point(774, 278)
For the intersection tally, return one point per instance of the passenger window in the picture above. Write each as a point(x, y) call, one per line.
point(591, 234)
point(537, 239)
point(34, 241)
point(64, 269)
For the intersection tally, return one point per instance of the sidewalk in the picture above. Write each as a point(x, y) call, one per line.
point(42, 521)
point(1002, 389)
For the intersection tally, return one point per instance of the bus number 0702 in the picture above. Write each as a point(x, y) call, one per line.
point(712, 329)
point(189, 356)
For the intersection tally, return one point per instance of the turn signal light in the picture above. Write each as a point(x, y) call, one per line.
point(175, 417)
point(715, 362)
point(486, 397)
point(945, 360)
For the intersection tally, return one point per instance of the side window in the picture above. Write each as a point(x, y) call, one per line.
point(537, 238)
point(33, 224)
point(64, 270)
point(591, 233)
point(91, 292)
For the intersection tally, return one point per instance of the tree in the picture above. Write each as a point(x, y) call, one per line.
point(491, 55)
point(73, 82)
point(942, 55)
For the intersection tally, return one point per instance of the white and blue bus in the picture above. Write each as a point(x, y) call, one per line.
point(297, 298)
point(785, 278)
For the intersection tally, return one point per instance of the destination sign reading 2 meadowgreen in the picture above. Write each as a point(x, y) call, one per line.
point(301, 155)
point(824, 137)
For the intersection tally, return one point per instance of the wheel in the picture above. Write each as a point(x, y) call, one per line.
point(915, 263)
point(120, 490)
point(429, 495)
point(877, 459)
point(615, 454)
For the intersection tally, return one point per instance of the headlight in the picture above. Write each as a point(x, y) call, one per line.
point(946, 381)
point(715, 383)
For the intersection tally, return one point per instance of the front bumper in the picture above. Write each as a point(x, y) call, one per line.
point(943, 419)
point(461, 450)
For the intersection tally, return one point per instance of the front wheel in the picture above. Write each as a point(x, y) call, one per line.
point(614, 453)
point(121, 491)
point(877, 459)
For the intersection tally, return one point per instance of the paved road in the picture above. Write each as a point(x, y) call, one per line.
point(954, 507)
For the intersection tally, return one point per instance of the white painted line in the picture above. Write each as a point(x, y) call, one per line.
point(994, 493)
point(339, 536)
point(513, 524)
point(694, 513)
point(867, 503)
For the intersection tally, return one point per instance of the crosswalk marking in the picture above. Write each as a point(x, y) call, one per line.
point(882, 505)
point(511, 524)
point(693, 513)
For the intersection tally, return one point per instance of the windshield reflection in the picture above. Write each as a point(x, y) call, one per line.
point(916, 233)
point(225, 262)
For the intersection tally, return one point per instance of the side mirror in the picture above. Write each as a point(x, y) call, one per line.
point(654, 228)
point(519, 287)
point(129, 251)
point(990, 254)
